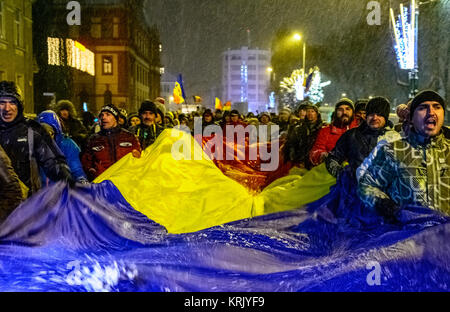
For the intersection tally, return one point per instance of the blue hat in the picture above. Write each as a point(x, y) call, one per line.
point(50, 118)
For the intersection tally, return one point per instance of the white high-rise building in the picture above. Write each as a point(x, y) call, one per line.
point(246, 78)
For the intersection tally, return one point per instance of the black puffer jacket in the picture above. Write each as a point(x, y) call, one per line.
point(15, 141)
point(353, 146)
point(300, 140)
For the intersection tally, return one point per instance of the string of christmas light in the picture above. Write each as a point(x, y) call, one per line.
point(54, 55)
point(404, 35)
point(77, 56)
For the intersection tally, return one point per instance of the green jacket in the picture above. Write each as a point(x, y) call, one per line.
point(147, 135)
point(409, 173)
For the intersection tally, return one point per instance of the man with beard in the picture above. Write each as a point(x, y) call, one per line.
point(329, 135)
point(302, 137)
point(27, 144)
point(356, 144)
point(108, 146)
point(414, 170)
point(148, 131)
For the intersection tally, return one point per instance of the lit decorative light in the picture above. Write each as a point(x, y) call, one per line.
point(77, 55)
point(314, 86)
point(244, 82)
point(294, 84)
point(404, 34)
point(272, 100)
point(298, 86)
point(54, 55)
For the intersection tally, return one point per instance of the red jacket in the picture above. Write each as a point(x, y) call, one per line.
point(106, 148)
point(326, 141)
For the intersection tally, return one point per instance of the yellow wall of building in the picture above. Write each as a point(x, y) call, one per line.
point(16, 58)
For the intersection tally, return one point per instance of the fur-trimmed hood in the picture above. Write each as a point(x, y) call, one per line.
point(67, 105)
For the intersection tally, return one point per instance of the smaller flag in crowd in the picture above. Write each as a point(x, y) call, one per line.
point(227, 106)
point(197, 99)
point(178, 93)
point(219, 104)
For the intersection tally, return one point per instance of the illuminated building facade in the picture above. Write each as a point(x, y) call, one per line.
point(246, 79)
point(16, 48)
point(126, 51)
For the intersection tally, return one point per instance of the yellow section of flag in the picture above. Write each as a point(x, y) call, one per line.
point(219, 104)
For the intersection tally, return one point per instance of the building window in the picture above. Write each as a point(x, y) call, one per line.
point(2, 18)
point(263, 58)
point(96, 28)
point(107, 65)
point(18, 28)
point(235, 58)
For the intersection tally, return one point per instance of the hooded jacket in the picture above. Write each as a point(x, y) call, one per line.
point(15, 138)
point(69, 148)
point(73, 127)
point(407, 172)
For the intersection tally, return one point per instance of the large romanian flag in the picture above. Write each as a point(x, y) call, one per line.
point(172, 221)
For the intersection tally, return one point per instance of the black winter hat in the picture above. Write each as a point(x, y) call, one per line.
point(380, 106)
point(10, 89)
point(345, 101)
point(424, 96)
point(148, 106)
point(360, 105)
point(208, 112)
point(112, 110)
point(304, 105)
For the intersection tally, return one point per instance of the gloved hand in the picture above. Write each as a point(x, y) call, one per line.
point(387, 208)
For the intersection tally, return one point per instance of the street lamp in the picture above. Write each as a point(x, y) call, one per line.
point(298, 37)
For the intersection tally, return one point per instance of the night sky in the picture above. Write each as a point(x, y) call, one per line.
point(194, 33)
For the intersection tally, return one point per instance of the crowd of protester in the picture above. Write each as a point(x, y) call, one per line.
point(413, 157)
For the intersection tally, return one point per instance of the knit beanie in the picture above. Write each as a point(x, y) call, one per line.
point(360, 105)
point(424, 96)
point(112, 110)
point(380, 106)
point(10, 89)
point(345, 101)
point(148, 106)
